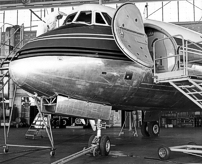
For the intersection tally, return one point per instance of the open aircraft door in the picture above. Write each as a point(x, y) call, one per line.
point(129, 34)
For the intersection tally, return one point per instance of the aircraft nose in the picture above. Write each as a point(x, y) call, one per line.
point(19, 71)
point(33, 74)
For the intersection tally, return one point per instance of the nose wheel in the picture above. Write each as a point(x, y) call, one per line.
point(102, 142)
point(105, 145)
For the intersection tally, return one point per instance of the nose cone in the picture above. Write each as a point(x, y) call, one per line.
point(18, 71)
point(32, 74)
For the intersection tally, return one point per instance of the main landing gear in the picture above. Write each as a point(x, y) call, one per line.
point(102, 142)
point(150, 129)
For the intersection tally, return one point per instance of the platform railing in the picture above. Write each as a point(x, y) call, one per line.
point(185, 55)
point(17, 46)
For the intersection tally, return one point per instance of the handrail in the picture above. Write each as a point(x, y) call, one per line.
point(16, 46)
point(154, 50)
point(2, 44)
point(11, 53)
point(186, 55)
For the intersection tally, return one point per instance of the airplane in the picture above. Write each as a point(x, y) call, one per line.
point(102, 59)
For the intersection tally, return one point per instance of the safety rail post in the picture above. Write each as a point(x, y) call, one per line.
point(4, 113)
point(186, 59)
point(22, 35)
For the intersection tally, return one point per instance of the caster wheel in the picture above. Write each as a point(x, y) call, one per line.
point(164, 152)
point(52, 153)
point(105, 145)
point(6, 150)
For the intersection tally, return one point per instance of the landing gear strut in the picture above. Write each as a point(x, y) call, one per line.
point(102, 142)
point(150, 129)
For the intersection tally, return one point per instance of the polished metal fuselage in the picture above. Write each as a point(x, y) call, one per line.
point(121, 84)
point(83, 62)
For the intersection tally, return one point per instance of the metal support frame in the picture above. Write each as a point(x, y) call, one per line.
point(46, 125)
point(3, 83)
point(188, 149)
point(12, 103)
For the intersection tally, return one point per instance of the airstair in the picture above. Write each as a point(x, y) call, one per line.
point(186, 74)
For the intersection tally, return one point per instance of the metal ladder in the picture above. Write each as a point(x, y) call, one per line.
point(191, 88)
point(4, 65)
point(37, 127)
point(7, 60)
point(182, 78)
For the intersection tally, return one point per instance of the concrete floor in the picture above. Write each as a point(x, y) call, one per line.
point(126, 149)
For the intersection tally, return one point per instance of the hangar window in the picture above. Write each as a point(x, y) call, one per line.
point(107, 18)
point(85, 16)
point(69, 18)
point(99, 19)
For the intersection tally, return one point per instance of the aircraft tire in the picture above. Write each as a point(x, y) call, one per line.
point(164, 152)
point(153, 129)
point(90, 143)
point(105, 145)
point(144, 129)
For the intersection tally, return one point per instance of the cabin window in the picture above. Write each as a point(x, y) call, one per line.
point(69, 18)
point(99, 19)
point(107, 18)
point(84, 16)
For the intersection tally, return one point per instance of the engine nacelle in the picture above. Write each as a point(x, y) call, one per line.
point(77, 108)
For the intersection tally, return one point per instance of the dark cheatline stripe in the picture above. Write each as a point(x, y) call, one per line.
point(75, 40)
point(95, 53)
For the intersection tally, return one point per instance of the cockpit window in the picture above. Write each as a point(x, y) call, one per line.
point(107, 18)
point(69, 18)
point(85, 16)
point(99, 19)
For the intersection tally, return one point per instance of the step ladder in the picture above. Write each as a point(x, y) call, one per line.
point(191, 88)
point(37, 128)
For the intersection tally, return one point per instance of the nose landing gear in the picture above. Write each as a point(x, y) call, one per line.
point(102, 142)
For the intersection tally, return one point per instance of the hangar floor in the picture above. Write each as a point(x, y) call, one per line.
point(125, 149)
